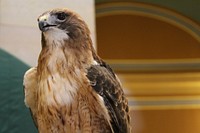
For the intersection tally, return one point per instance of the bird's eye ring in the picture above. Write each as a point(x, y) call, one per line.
point(61, 16)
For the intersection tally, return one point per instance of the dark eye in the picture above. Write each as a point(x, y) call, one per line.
point(61, 16)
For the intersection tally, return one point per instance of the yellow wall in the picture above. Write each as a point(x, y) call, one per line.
point(156, 53)
point(166, 121)
point(140, 37)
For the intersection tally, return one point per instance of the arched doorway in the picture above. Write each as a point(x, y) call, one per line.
point(156, 54)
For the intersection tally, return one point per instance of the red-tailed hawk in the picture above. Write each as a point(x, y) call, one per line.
point(72, 90)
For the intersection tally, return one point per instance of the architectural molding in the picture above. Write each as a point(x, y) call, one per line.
point(152, 11)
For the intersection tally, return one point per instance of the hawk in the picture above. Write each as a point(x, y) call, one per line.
point(72, 90)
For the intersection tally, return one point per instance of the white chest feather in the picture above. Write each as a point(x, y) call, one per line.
point(56, 36)
point(57, 56)
point(60, 86)
point(59, 90)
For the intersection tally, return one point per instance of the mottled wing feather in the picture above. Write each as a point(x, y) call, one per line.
point(105, 83)
point(30, 99)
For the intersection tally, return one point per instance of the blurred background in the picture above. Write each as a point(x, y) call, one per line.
point(153, 45)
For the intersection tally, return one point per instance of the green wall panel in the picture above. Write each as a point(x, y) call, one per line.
point(14, 116)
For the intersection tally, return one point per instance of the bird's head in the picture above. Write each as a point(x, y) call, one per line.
point(60, 25)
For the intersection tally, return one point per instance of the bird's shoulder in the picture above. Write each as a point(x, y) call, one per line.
point(30, 87)
point(105, 82)
point(29, 83)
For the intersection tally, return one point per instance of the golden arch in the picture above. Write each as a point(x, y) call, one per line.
point(170, 17)
point(151, 11)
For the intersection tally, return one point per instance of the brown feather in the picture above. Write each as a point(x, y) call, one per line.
point(64, 100)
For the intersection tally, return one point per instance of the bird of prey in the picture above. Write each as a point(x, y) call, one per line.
point(72, 90)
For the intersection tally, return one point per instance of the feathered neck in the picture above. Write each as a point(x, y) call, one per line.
point(67, 55)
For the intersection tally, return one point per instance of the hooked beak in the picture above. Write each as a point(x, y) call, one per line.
point(44, 26)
